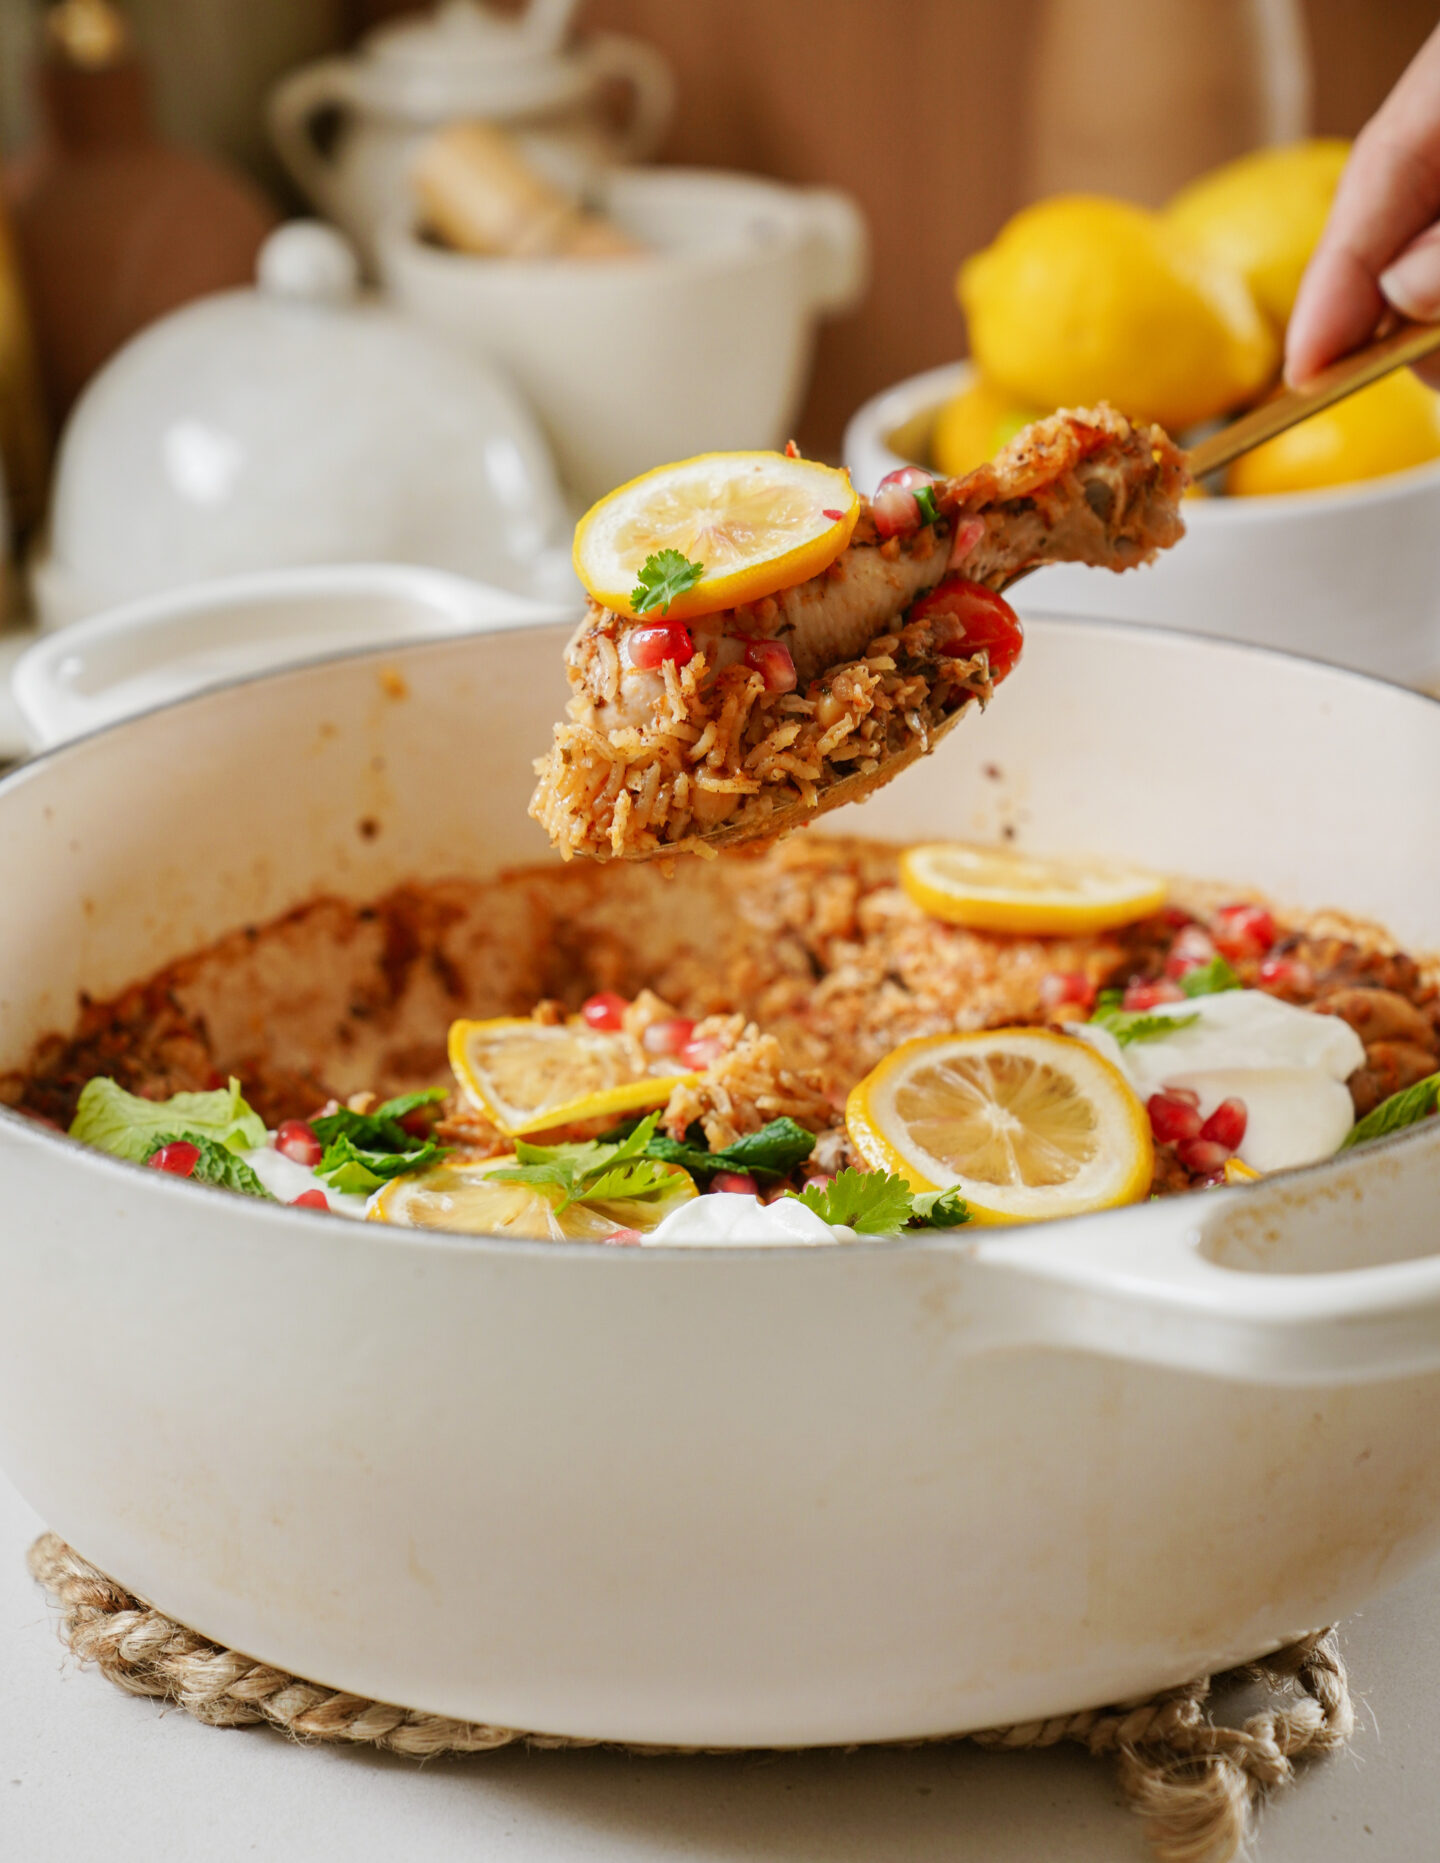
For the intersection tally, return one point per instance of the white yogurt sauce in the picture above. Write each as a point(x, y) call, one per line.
point(1288, 1065)
point(730, 1218)
point(286, 1180)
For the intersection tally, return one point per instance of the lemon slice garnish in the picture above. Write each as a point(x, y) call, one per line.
point(462, 1197)
point(997, 889)
point(1027, 1124)
point(529, 1076)
point(1238, 1172)
point(758, 522)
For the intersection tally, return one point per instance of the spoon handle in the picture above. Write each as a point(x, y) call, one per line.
point(1405, 344)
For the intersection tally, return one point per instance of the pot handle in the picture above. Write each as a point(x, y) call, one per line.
point(610, 56)
point(839, 249)
point(163, 648)
point(1324, 1276)
point(292, 107)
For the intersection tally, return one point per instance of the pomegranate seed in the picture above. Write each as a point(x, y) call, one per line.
point(968, 617)
point(179, 1158)
point(771, 660)
point(1226, 1125)
point(834, 516)
point(1244, 931)
point(895, 507)
point(650, 647)
point(968, 533)
point(1062, 987)
point(1201, 1156)
point(669, 1037)
point(310, 1200)
point(1176, 916)
point(605, 1010)
point(622, 1238)
point(738, 1183)
point(1143, 995)
point(1172, 1118)
point(297, 1140)
point(1192, 948)
point(1286, 973)
point(420, 1122)
point(819, 1181)
point(703, 1053)
point(1184, 1093)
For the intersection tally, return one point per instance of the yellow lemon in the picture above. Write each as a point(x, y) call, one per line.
point(1263, 215)
point(1082, 299)
point(1027, 1124)
point(755, 522)
point(529, 1077)
point(1392, 424)
point(998, 889)
point(974, 426)
point(463, 1197)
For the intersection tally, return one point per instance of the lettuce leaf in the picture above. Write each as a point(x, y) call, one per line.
point(126, 1126)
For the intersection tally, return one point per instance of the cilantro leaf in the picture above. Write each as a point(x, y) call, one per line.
point(1405, 1108)
point(872, 1203)
point(1209, 979)
point(346, 1166)
point(591, 1171)
point(665, 575)
point(775, 1150)
point(939, 1209)
point(125, 1125)
point(1131, 1025)
point(217, 1164)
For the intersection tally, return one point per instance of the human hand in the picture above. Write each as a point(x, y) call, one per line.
point(1381, 245)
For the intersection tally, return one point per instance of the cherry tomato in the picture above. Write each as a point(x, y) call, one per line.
point(981, 619)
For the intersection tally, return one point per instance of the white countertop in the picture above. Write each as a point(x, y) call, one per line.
point(87, 1772)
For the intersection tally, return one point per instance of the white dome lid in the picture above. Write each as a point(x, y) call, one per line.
point(297, 423)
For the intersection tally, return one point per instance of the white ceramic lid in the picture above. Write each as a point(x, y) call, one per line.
point(466, 56)
point(297, 423)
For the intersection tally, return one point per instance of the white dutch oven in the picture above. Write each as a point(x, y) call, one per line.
point(1350, 575)
point(720, 1497)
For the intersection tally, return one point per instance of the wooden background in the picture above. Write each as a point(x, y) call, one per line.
point(918, 108)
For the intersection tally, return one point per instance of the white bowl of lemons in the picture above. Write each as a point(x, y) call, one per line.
point(1325, 542)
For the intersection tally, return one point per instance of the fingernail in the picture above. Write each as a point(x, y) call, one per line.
point(1412, 283)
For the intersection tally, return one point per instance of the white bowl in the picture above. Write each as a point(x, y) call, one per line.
point(718, 1496)
point(700, 345)
point(1351, 575)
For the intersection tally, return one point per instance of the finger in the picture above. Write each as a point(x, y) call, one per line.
point(1412, 282)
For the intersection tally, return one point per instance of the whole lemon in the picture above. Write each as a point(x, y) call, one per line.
point(974, 425)
point(1263, 215)
point(1082, 299)
point(1392, 424)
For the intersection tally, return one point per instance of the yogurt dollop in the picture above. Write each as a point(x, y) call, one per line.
point(730, 1218)
point(286, 1180)
point(1288, 1065)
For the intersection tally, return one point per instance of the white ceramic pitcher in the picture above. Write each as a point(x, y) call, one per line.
point(347, 127)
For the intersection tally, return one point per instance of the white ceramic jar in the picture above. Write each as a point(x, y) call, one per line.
point(296, 423)
point(699, 345)
point(346, 128)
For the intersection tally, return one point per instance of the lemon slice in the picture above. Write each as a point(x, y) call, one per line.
point(757, 521)
point(996, 889)
point(462, 1197)
point(1238, 1172)
point(1028, 1124)
point(528, 1076)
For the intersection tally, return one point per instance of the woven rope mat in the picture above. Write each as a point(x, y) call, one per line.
point(1195, 1782)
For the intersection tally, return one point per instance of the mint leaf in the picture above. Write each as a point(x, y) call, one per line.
point(1131, 1025)
point(358, 1169)
point(126, 1126)
point(1405, 1108)
point(665, 575)
point(939, 1209)
point(869, 1202)
point(775, 1150)
point(217, 1164)
point(1209, 979)
point(379, 1130)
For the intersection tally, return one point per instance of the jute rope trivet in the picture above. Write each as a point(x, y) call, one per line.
point(1195, 1782)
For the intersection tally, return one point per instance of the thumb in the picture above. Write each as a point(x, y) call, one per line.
point(1412, 283)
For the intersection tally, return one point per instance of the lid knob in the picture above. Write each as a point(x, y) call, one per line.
point(308, 259)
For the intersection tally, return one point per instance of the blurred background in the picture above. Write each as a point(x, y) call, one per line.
point(527, 250)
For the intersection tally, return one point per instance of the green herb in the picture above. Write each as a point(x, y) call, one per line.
point(1132, 1025)
point(1209, 979)
point(878, 1203)
point(925, 498)
point(774, 1151)
point(217, 1164)
point(364, 1150)
point(665, 575)
point(1402, 1109)
point(126, 1126)
point(591, 1172)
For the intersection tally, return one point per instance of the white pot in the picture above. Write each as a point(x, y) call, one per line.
point(375, 108)
point(701, 345)
point(729, 1496)
point(1351, 575)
